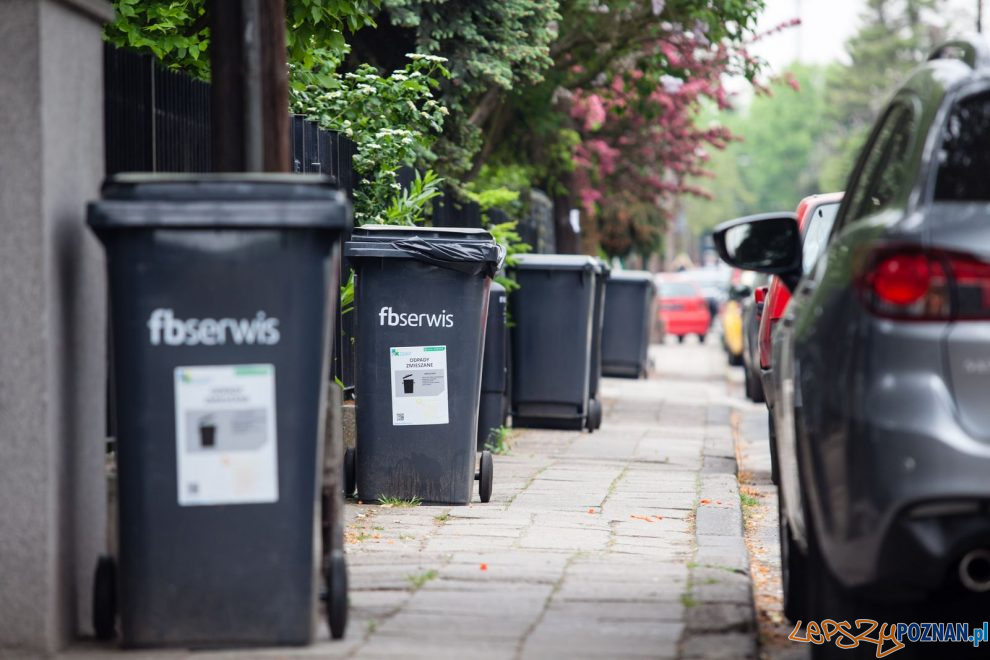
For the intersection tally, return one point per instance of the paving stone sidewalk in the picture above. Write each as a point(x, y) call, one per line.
point(624, 543)
point(588, 547)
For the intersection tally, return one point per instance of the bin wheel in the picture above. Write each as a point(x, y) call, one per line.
point(105, 598)
point(594, 414)
point(350, 472)
point(337, 594)
point(485, 476)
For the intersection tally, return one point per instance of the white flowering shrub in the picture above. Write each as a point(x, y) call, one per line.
point(394, 121)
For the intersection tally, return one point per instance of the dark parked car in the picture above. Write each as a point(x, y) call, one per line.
point(752, 311)
point(815, 216)
point(882, 361)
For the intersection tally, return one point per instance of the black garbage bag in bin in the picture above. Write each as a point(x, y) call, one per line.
point(627, 324)
point(421, 298)
point(553, 328)
point(222, 291)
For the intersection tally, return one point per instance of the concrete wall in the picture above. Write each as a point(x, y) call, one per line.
point(52, 311)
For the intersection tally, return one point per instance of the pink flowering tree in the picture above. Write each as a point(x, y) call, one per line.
point(641, 145)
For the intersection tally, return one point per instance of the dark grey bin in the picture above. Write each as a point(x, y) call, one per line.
point(594, 420)
point(629, 310)
point(421, 300)
point(553, 327)
point(222, 293)
point(494, 406)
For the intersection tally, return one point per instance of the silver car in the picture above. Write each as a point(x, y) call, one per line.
point(882, 365)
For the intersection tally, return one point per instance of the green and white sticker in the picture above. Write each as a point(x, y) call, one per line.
point(419, 385)
point(225, 437)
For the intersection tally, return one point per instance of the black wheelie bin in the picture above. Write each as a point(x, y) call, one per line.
point(629, 310)
point(553, 328)
point(222, 291)
point(421, 298)
point(493, 407)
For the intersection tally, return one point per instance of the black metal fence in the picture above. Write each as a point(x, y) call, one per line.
point(158, 120)
point(155, 120)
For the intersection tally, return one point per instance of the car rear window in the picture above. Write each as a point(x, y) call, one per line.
point(964, 158)
point(677, 290)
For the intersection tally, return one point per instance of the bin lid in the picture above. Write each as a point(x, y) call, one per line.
point(232, 200)
point(465, 249)
point(632, 276)
point(557, 262)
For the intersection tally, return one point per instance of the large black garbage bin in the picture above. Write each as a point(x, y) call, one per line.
point(421, 299)
point(594, 420)
point(493, 407)
point(627, 323)
point(221, 291)
point(553, 317)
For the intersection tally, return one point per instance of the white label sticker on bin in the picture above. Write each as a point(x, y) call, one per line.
point(225, 437)
point(419, 385)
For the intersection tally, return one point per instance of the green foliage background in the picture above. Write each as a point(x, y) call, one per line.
point(794, 143)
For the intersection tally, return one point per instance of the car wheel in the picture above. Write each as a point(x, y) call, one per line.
point(828, 599)
point(735, 360)
point(680, 339)
point(701, 338)
point(793, 569)
point(772, 438)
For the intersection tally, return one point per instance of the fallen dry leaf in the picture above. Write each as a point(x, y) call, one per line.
point(484, 567)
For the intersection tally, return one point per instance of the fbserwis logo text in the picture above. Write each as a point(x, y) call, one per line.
point(442, 320)
point(163, 326)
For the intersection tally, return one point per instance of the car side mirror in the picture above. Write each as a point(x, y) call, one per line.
point(767, 243)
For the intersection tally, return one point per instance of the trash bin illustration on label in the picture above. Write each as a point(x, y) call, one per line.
point(207, 432)
point(225, 434)
point(419, 385)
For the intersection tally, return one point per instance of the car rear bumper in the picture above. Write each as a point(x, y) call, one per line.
point(907, 495)
point(686, 325)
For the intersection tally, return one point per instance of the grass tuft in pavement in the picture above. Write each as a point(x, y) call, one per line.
point(396, 503)
point(419, 579)
point(498, 441)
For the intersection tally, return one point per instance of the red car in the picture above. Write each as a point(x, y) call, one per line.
point(816, 215)
point(683, 309)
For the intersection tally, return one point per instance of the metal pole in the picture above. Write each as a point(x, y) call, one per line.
point(979, 16)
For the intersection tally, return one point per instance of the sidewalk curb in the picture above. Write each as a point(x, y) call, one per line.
point(721, 620)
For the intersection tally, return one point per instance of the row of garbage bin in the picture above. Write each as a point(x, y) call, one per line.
point(223, 295)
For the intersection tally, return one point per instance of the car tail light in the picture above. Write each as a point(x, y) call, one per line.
point(760, 294)
point(926, 285)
